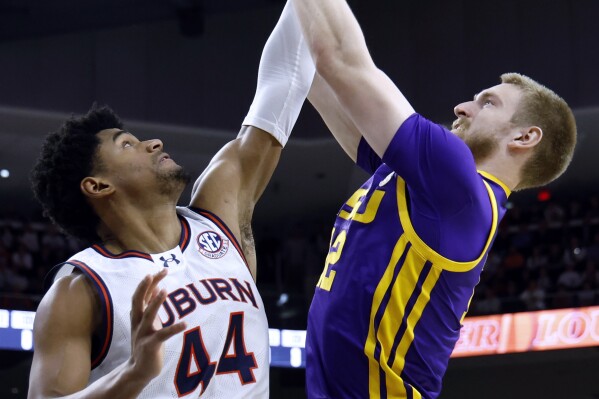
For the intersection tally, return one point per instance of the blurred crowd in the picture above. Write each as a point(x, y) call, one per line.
point(28, 250)
point(546, 255)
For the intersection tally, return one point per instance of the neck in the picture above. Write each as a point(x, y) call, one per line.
point(127, 227)
point(505, 168)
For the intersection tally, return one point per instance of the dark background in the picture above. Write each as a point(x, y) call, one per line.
point(170, 64)
point(184, 71)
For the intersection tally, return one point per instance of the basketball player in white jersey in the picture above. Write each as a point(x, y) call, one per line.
point(164, 303)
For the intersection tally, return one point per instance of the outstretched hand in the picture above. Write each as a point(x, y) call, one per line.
point(147, 334)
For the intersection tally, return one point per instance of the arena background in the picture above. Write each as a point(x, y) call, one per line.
point(185, 71)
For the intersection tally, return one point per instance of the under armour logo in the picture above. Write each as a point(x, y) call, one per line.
point(172, 259)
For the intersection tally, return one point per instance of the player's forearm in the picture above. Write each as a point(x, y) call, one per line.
point(333, 34)
point(284, 78)
point(122, 383)
point(346, 133)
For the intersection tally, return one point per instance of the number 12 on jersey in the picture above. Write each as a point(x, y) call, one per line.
point(355, 202)
point(194, 353)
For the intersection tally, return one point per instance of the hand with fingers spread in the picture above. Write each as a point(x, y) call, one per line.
point(147, 334)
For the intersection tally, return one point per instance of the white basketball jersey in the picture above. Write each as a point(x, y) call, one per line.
point(224, 353)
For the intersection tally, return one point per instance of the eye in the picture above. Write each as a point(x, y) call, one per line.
point(487, 102)
point(127, 144)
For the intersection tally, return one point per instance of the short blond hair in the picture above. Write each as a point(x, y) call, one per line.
point(541, 107)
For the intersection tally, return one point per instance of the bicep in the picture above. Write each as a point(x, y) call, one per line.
point(62, 333)
point(373, 102)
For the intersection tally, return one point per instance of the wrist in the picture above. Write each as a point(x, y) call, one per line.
point(136, 374)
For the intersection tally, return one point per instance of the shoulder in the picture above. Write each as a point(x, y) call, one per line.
point(69, 306)
point(420, 143)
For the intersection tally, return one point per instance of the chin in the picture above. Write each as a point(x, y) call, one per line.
point(460, 133)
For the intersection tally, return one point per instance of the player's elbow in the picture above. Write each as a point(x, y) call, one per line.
point(333, 60)
point(330, 61)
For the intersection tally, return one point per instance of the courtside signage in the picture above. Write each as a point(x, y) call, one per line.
point(529, 331)
point(484, 335)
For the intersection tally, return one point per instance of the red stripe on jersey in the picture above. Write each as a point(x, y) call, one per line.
point(127, 254)
point(108, 307)
point(185, 234)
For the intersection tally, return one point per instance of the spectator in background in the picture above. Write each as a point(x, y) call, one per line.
point(575, 211)
point(522, 239)
point(544, 280)
point(22, 260)
point(533, 296)
point(15, 282)
point(536, 213)
point(295, 254)
point(73, 245)
point(513, 264)
point(55, 243)
point(502, 241)
point(591, 274)
point(30, 239)
point(570, 279)
point(586, 295)
point(494, 261)
point(7, 237)
point(537, 258)
point(555, 258)
point(593, 251)
point(554, 213)
point(562, 298)
point(547, 236)
point(512, 302)
point(4, 262)
point(490, 304)
point(593, 211)
point(575, 253)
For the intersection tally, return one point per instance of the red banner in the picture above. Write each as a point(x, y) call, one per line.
point(530, 331)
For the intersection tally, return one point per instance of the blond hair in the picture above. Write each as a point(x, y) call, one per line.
point(541, 107)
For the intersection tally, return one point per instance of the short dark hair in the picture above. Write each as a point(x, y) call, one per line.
point(67, 157)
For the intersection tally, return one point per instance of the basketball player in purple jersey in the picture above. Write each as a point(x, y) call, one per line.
point(408, 247)
point(110, 326)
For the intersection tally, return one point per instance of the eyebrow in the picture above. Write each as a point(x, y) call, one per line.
point(487, 94)
point(116, 135)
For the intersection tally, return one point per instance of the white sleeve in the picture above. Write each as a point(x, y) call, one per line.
point(284, 78)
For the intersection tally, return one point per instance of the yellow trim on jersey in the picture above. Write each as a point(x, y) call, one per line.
point(437, 259)
point(497, 181)
point(394, 389)
point(401, 292)
point(377, 299)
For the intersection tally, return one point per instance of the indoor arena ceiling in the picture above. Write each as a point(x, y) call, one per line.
point(192, 63)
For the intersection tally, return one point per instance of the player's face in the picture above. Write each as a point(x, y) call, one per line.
point(485, 122)
point(138, 166)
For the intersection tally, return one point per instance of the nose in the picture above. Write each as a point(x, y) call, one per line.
point(462, 110)
point(154, 145)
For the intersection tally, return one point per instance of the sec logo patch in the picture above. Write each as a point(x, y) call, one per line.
point(212, 245)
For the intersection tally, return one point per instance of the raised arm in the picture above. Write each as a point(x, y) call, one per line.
point(324, 100)
point(238, 174)
point(372, 101)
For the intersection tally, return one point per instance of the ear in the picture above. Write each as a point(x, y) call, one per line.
point(526, 138)
point(93, 187)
